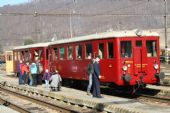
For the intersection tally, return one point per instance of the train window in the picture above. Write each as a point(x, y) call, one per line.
point(9, 57)
point(79, 52)
point(36, 55)
point(151, 48)
point(126, 49)
point(110, 50)
point(19, 56)
point(101, 50)
point(89, 51)
point(139, 43)
point(15, 56)
point(55, 53)
point(26, 56)
point(70, 52)
point(62, 50)
point(40, 53)
point(30, 55)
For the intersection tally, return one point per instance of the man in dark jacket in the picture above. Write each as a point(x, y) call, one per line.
point(96, 77)
point(90, 71)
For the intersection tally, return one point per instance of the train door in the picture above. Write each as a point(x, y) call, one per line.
point(139, 59)
point(106, 52)
point(9, 61)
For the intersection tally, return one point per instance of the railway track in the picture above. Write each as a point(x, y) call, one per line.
point(148, 98)
point(29, 104)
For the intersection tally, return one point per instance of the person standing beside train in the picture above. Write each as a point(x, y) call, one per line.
point(46, 77)
point(33, 69)
point(25, 72)
point(90, 71)
point(20, 72)
point(96, 77)
point(55, 81)
point(39, 72)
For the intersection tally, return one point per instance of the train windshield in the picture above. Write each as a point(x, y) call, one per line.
point(126, 49)
point(151, 48)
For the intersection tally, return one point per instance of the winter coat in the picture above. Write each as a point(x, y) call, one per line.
point(96, 69)
point(33, 68)
point(24, 68)
point(55, 79)
point(46, 76)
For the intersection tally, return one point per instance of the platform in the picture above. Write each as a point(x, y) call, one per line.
point(108, 103)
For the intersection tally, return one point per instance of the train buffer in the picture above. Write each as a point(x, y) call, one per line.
point(80, 98)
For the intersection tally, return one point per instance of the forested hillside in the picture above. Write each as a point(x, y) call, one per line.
point(99, 16)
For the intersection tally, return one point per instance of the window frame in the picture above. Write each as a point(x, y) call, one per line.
point(60, 53)
point(107, 47)
point(85, 46)
point(124, 50)
point(156, 48)
point(76, 54)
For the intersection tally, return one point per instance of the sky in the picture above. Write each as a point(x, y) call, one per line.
point(11, 2)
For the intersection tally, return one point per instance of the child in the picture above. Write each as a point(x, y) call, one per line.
point(55, 81)
point(46, 77)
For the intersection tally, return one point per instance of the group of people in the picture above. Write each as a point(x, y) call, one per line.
point(28, 74)
point(31, 74)
point(93, 70)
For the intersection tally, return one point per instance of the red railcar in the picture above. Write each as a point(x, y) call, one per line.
point(127, 57)
point(31, 53)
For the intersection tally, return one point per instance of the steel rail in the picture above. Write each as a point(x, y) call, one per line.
point(155, 98)
point(59, 107)
point(13, 106)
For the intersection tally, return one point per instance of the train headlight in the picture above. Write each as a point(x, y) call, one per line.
point(156, 66)
point(124, 68)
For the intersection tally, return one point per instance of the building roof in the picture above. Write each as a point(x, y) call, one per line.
point(111, 34)
point(45, 44)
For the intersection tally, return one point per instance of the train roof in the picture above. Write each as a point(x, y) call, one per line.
point(111, 34)
point(45, 44)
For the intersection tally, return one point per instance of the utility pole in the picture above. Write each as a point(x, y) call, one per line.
point(165, 27)
point(71, 30)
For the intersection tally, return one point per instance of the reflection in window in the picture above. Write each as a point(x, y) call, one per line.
point(101, 50)
point(139, 43)
point(110, 50)
point(70, 52)
point(62, 53)
point(9, 57)
point(151, 48)
point(26, 56)
point(15, 56)
point(89, 51)
point(19, 56)
point(126, 49)
point(38, 55)
point(79, 52)
point(55, 55)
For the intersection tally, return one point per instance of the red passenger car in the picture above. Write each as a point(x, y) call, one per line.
point(127, 57)
point(31, 53)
